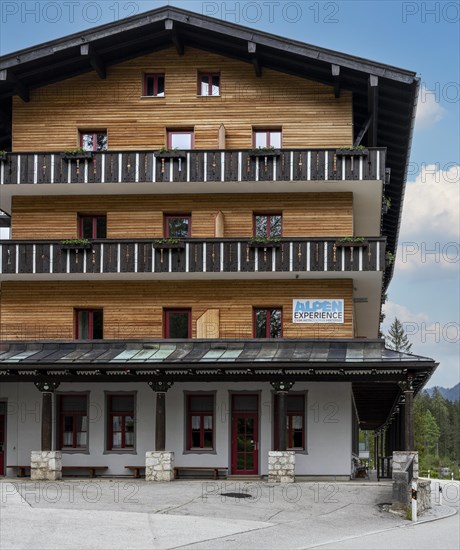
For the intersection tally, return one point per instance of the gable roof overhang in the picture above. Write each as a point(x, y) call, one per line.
point(374, 371)
point(389, 92)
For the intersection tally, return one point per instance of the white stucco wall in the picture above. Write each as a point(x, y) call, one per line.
point(328, 414)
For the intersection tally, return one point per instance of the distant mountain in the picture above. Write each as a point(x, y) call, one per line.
point(451, 394)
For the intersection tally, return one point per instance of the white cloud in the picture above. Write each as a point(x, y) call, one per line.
point(429, 109)
point(403, 314)
point(431, 205)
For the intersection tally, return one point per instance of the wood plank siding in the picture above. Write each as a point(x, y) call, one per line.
point(132, 216)
point(307, 111)
point(42, 311)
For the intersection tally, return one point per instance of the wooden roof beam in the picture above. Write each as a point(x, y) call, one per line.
point(94, 60)
point(363, 130)
point(372, 109)
point(19, 87)
point(336, 76)
point(252, 50)
point(176, 40)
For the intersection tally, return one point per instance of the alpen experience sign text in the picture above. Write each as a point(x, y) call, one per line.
point(318, 310)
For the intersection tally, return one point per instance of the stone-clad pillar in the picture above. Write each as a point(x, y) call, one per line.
point(159, 464)
point(281, 463)
point(46, 464)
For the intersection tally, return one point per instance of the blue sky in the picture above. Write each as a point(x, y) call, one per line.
point(420, 36)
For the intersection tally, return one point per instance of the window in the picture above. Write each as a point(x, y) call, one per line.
point(89, 324)
point(92, 227)
point(93, 140)
point(154, 85)
point(295, 421)
point(209, 84)
point(267, 225)
point(180, 139)
point(177, 226)
point(200, 422)
point(267, 323)
point(121, 423)
point(267, 138)
point(72, 421)
point(178, 323)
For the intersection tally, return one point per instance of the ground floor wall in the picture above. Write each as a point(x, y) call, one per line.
point(327, 429)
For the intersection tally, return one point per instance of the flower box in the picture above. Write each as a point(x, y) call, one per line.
point(165, 246)
point(265, 153)
point(77, 156)
point(352, 152)
point(76, 246)
point(273, 244)
point(170, 154)
point(349, 244)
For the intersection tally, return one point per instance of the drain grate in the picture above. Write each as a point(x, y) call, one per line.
point(236, 495)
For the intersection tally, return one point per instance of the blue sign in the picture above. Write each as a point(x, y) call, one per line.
point(317, 310)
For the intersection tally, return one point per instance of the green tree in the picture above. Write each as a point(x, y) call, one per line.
point(397, 338)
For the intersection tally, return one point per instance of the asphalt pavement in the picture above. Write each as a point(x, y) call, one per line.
point(134, 514)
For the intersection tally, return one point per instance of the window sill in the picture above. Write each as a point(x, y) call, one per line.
point(153, 97)
point(200, 452)
point(120, 452)
point(75, 451)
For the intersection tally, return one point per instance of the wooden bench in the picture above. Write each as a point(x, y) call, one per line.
point(215, 470)
point(91, 469)
point(136, 470)
point(21, 470)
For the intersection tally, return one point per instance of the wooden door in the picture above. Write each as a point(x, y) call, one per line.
point(245, 443)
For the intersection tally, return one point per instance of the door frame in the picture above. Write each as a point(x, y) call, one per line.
point(4, 405)
point(258, 394)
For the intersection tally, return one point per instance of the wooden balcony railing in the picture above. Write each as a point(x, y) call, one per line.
point(195, 166)
point(195, 256)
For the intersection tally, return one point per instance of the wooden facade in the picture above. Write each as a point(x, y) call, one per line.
point(135, 309)
point(134, 216)
point(306, 111)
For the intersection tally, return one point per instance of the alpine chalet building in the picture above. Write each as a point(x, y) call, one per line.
point(203, 222)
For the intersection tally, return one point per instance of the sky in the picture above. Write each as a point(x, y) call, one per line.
point(419, 36)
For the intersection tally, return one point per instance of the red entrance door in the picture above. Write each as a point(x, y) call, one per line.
point(245, 443)
point(2, 444)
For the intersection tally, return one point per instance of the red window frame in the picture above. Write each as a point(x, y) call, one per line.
point(172, 131)
point(167, 217)
point(95, 134)
point(94, 218)
point(74, 415)
point(210, 76)
point(167, 312)
point(267, 310)
point(201, 414)
point(124, 414)
point(267, 133)
point(155, 77)
point(268, 216)
point(90, 313)
point(289, 420)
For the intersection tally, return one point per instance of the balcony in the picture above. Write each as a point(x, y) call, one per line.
point(196, 258)
point(196, 166)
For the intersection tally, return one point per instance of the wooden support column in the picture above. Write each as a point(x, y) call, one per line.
point(402, 435)
point(47, 388)
point(408, 414)
point(160, 387)
point(281, 388)
point(376, 454)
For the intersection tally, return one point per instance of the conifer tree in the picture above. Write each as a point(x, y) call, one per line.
point(397, 338)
